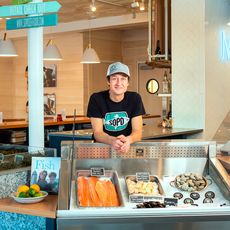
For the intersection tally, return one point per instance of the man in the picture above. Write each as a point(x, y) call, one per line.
point(53, 184)
point(116, 114)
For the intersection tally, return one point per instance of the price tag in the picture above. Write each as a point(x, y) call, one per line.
point(1, 157)
point(171, 201)
point(97, 171)
point(18, 158)
point(153, 198)
point(139, 152)
point(142, 176)
point(136, 199)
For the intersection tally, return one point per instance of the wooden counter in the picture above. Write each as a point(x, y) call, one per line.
point(46, 208)
point(52, 122)
point(225, 160)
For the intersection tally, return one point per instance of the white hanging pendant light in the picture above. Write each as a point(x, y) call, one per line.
point(7, 48)
point(51, 52)
point(90, 55)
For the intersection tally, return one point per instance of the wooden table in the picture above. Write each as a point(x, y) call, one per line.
point(51, 122)
point(225, 160)
point(46, 208)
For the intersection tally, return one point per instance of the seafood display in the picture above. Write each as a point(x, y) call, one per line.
point(149, 188)
point(151, 204)
point(95, 191)
point(190, 182)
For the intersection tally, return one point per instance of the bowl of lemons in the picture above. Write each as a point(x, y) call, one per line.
point(29, 195)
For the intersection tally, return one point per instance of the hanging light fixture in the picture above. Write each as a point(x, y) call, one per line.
point(93, 7)
point(51, 52)
point(90, 56)
point(134, 4)
point(142, 5)
point(7, 48)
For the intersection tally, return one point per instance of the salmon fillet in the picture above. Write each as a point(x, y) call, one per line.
point(102, 192)
point(93, 194)
point(113, 198)
point(83, 192)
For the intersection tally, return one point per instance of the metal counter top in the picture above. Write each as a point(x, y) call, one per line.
point(149, 132)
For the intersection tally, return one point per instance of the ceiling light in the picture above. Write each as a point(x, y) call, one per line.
point(93, 7)
point(134, 4)
point(51, 52)
point(90, 56)
point(7, 48)
point(142, 5)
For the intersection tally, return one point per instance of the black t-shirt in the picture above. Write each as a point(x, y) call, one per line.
point(116, 116)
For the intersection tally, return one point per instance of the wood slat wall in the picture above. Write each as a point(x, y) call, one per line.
point(69, 90)
point(75, 81)
point(6, 86)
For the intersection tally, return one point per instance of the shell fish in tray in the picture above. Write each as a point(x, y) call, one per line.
point(190, 182)
point(148, 188)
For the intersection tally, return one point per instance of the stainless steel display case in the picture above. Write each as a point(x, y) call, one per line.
point(163, 159)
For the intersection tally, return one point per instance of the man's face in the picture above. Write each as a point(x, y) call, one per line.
point(118, 84)
point(52, 179)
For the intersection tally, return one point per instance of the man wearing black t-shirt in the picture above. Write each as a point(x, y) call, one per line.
point(116, 114)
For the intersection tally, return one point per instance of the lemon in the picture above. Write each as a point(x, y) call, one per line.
point(35, 187)
point(38, 194)
point(23, 188)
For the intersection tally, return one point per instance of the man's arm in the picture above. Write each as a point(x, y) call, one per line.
point(137, 124)
point(136, 134)
point(101, 136)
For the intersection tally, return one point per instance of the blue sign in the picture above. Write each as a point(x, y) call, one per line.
point(32, 8)
point(32, 22)
point(225, 47)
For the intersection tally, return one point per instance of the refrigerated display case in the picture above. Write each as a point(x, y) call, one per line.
point(206, 207)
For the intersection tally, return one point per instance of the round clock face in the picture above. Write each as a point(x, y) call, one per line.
point(152, 86)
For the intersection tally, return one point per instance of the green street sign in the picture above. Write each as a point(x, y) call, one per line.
point(17, 2)
point(32, 22)
point(27, 9)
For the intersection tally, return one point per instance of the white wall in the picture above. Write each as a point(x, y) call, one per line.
point(217, 72)
point(201, 81)
point(188, 63)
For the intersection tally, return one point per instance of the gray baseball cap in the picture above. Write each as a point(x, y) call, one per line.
point(118, 67)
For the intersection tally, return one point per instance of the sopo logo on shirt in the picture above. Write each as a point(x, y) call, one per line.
point(116, 121)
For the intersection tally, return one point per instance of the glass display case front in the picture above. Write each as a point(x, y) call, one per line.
point(156, 182)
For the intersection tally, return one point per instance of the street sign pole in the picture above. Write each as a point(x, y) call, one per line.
point(35, 26)
point(35, 71)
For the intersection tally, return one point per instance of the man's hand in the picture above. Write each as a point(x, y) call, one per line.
point(117, 144)
point(123, 144)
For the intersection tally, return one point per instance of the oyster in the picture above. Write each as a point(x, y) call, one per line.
point(190, 182)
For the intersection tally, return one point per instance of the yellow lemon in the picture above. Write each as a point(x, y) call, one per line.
point(23, 188)
point(35, 187)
